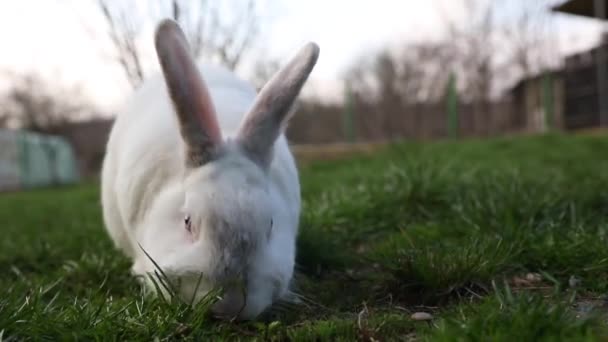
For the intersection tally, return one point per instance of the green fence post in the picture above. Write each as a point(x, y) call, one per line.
point(348, 116)
point(23, 160)
point(452, 106)
point(548, 100)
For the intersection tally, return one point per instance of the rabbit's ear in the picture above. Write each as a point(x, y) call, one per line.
point(189, 94)
point(269, 114)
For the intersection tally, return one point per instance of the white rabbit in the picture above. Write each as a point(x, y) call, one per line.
point(206, 194)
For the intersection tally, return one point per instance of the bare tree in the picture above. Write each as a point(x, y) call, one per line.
point(361, 81)
point(473, 48)
point(491, 48)
point(402, 91)
point(4, 120)
point(530, 37)
point(218, 30)
point(263, 71)
point(414, 74)
point(392, 83)
point(34, 105)
point(123, 33)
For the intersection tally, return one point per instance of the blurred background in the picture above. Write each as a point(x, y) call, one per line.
point(389, 70)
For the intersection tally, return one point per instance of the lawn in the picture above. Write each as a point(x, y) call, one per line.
point(499, 240)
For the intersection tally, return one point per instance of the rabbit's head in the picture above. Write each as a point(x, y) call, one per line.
point(225, 219)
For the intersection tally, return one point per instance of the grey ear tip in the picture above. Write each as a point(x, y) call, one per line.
point(313, 50)
point(313, 45)
point(167, 26)
point(309, 55)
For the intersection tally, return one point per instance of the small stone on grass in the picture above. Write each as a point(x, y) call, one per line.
point(421, 316)
point(574, 281)
point(534, 277)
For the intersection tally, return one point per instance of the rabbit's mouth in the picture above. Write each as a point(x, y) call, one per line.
point(193, 287)
point(228, 298)
point(231, 304)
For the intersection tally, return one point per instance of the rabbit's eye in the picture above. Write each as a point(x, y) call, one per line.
point(188, 223)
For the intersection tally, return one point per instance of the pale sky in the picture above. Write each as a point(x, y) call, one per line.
point(65, 40)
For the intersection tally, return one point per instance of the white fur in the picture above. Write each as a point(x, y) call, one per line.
point(147, 190)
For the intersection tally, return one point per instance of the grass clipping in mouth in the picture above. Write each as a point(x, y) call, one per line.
point(501, 240)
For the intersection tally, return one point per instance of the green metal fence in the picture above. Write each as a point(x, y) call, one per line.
point(30, 160)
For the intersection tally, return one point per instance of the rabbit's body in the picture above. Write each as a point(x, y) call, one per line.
point(241, 209)
point(139, 165)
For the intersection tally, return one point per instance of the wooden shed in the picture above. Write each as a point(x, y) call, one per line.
point(538, 102)
point(586, 74)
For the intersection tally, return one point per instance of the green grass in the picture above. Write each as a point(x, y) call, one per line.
point(448, 228)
